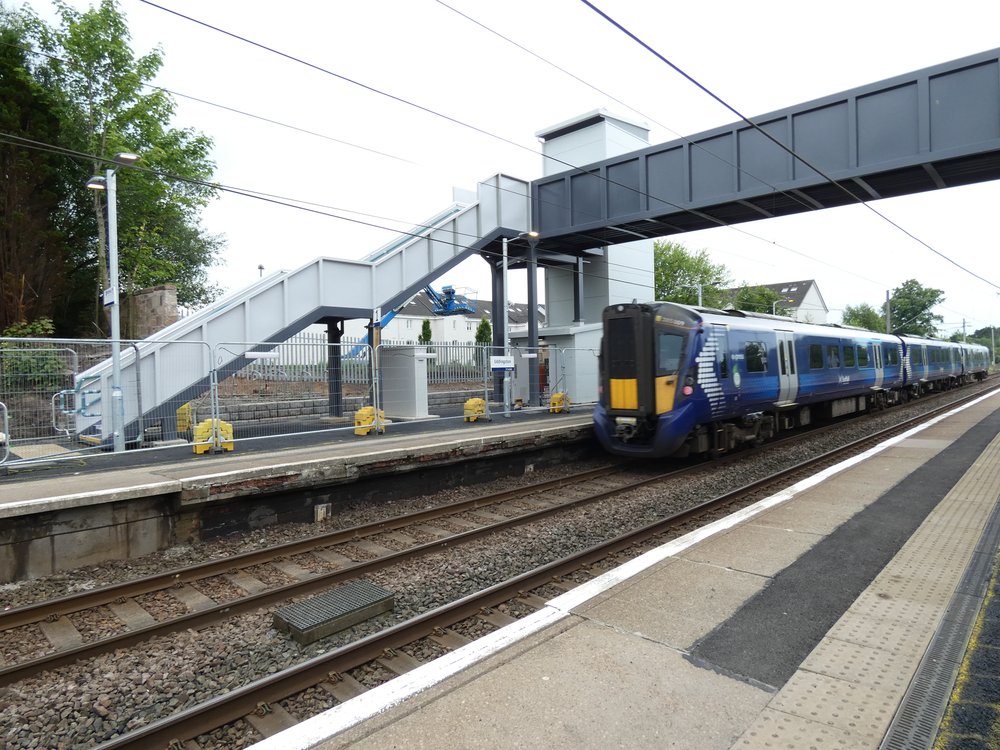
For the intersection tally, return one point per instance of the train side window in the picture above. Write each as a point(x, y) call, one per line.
point(891, 355)
point(833, 357)
point(848, 356)
point(863, 356)
point(916, 355)
point(756, 356)
point(815, 356)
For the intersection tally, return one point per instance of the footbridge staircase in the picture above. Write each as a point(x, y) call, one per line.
point(178, 362)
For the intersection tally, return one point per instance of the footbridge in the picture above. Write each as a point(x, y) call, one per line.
point(177, 363)
point(930, 129)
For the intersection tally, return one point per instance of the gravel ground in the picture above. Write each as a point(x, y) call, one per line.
point(82, 705)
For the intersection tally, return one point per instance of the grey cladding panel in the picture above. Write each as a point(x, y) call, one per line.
point(888, 125)
point(623, 188)
point(665, 176)
point(587, 190)
point(713, 172)
point(764, 163)
point(820, 137)
point(552, 205)
point(965, 106)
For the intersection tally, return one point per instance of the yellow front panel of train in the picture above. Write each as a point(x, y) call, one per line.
point(666, 389)
point(624, 394)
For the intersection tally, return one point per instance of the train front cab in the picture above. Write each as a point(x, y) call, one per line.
point(646, 379)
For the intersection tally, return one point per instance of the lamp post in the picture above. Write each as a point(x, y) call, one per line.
point(699, 287)
point(774, 305)
point(506, 319)
point(109, 183)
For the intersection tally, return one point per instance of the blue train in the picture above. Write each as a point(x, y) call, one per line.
point(678, 380)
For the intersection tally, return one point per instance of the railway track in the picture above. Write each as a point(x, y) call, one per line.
point(349, 554)
point(258, 704)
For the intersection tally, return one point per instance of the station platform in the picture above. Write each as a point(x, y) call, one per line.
point(834, 614)
point(92, 508)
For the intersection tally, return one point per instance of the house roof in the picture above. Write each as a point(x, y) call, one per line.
point(794, 292)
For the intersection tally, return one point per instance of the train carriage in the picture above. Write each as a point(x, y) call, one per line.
point(677, 380)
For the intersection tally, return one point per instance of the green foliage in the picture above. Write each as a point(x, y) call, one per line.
point(35, 329)
point(863, 316)
point(677, 273)
point(425, 333)
point(35, 184)
point(484, 333)
point(911, 305)
point(102, 106)
point(759, 299)
point(29, 367)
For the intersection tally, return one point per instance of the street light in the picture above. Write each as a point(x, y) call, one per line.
point(774, 305)
point(109, 182)
point(699, 287)
point(506, 316)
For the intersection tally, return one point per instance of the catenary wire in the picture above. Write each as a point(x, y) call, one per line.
point(571, 166)
point(282, 201)
point(780, 144)
point(315, 208)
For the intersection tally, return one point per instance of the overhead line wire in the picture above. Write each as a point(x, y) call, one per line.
point(283, 201)
point(777, 142)
point(314, 208)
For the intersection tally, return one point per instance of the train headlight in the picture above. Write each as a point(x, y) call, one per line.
point(687, 390)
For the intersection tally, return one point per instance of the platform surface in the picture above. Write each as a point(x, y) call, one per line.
point(798, 622)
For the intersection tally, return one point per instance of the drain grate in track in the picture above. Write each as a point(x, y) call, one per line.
point(320, 616)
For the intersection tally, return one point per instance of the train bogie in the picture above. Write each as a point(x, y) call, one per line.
point(677, 380)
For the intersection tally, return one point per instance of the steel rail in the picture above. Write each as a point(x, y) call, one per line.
point(242, 701)
point(32, 613)
point(210, 615)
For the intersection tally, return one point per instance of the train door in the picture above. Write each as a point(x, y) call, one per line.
point(788, 376)
point(877, 362)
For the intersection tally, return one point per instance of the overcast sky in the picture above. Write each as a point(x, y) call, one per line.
point(757, 57)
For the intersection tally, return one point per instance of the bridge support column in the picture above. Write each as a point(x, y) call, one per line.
point(578, 291)
point(499, 311)
point(534, 396)
point(334, 375)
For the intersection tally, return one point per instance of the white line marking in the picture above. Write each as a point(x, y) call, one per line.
point(340, 718)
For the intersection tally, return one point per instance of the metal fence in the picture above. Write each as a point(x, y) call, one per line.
point(59, 398)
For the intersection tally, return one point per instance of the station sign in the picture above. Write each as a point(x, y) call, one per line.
point(501, 364)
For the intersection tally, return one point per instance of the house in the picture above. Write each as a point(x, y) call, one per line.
point(801, 299)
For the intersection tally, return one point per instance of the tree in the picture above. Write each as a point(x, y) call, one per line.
point(911, 305)
point(677, 274)
point(425, 334)
point(107, 109)
point(863, 316)
point(484, 337)
point(758, 299)
point(33, 186)
point(484, 333)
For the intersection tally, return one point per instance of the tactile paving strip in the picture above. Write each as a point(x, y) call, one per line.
point(851, 688)
point(916, 722)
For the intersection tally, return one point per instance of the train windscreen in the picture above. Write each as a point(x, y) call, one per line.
point(668, 353)
point(621, 348)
